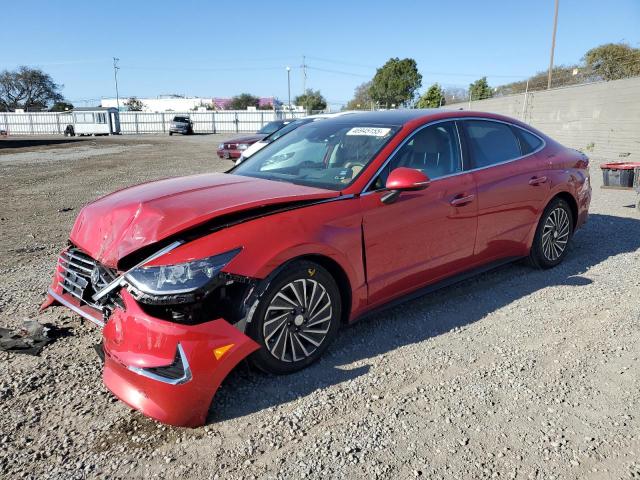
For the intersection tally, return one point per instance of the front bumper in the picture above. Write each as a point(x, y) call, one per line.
point(226, 153)
point(135, 342)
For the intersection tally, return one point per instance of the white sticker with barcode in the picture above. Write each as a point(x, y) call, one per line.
point(369, 131)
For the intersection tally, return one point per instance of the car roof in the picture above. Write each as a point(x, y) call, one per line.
point(392, 117)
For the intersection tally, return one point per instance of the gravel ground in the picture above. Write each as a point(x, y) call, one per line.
point(515, 374)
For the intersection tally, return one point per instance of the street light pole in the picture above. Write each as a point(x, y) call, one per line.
point(289, 86)
point(115, 77)
point(553, 44)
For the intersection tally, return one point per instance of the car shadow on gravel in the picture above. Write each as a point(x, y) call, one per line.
point(246, 391)
point(33, 142)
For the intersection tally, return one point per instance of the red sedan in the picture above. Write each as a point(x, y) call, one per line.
point(233, 148)
point(188, 276)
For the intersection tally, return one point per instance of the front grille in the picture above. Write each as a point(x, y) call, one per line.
point(230, 146)
point(82, 276)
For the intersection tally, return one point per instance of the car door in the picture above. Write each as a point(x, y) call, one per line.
point(424, 235)
point(512, 187)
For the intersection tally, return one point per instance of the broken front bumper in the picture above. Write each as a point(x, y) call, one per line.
point(167, 371)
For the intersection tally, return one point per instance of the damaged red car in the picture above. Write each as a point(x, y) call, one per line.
point(188, 276)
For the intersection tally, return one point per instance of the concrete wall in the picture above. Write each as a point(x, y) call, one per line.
point(602, 119)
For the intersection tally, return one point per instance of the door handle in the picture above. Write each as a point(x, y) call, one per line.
point(537, 180)
point(460, 200)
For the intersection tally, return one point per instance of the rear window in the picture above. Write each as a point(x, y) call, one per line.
point(286, 129)
point(491, 142)
point(528, 142)
point(271, 127)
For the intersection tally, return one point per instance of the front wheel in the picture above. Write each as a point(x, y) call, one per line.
point(553, 235)
point(296, 319)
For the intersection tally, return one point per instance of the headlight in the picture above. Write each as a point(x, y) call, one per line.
point(221, 146)
point(242, 146)
point(179, 278)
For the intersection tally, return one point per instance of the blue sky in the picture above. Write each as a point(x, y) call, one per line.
point(222, 48)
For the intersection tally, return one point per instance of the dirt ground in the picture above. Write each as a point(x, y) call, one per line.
point(517, 373)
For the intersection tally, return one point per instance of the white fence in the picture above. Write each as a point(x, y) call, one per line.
point(225, 121)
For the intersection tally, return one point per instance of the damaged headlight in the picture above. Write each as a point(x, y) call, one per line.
point(179, 278)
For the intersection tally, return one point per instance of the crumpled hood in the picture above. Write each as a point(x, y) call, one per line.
point(122, 222)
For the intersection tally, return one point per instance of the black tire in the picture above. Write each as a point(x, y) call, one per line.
point(170, 133)
point(548, 239)
point(264, 324)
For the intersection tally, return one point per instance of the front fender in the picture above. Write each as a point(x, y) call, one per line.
point(332, 230)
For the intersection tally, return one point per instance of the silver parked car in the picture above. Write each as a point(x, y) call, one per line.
point(181, 124)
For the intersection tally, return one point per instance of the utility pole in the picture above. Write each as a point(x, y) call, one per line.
point(553, 44)
point(304, 76)
point(115, 77)
point(289, 87)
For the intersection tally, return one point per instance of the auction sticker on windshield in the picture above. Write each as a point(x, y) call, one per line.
point(369, 131)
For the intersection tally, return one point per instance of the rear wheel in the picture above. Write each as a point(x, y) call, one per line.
point(553, 235)
point(297, 318)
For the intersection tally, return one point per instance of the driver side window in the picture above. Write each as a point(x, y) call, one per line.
point(434, 150)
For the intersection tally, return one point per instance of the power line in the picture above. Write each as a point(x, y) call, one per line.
point(339, 62)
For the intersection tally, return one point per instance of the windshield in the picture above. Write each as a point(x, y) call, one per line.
point(327, 154)
point(181, 119)
point(286, 129)
point(271, 127)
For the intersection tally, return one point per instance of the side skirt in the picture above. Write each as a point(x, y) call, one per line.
point(447, 282)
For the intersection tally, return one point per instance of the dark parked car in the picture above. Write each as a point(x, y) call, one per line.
point(181, 124)
point(233, 148)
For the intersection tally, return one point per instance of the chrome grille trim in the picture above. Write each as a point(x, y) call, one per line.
point(77, 256)
point(81, 287)
point(73, 264)
point(60, 299)
point(75, 272)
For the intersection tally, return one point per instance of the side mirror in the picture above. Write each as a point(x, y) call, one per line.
point(404, 179)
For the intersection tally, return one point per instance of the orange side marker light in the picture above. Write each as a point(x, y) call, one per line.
point(220, 351)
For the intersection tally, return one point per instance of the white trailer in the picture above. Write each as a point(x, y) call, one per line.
point(94, 121)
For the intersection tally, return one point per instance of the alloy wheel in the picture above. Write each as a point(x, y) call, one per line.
point(555, 233)
point(297, 320)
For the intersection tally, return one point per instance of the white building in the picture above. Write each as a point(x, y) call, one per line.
point(161, 104)
point(171, 103)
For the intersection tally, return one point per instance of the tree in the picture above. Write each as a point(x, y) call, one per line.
point(266, 106)
point(480, 89)
point(361, 97)
point(432, 98)
point(27, 88)
point(61, 107)
point(613, 61)
point(311, 100)
point(134, 104)
point(242, 101)
point(396, 82)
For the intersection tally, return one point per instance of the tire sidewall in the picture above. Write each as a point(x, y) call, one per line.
point(262, 358)
point(537, 256)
